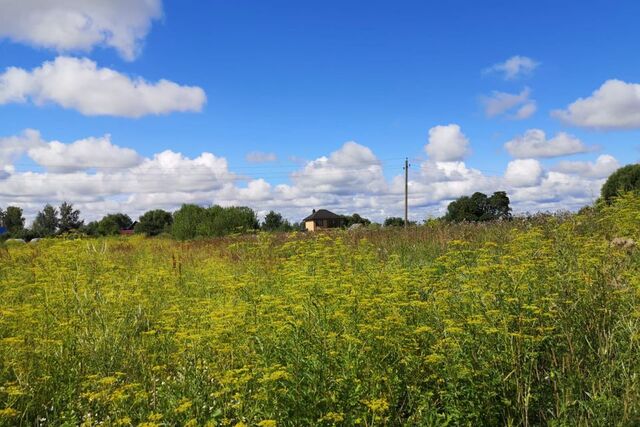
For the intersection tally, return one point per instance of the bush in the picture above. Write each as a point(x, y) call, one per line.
point(154, 222)
point(111, 224)
point(192, 221)
point(479, 207)
point(625, 179)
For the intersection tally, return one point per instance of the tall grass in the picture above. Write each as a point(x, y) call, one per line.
point(531, 322)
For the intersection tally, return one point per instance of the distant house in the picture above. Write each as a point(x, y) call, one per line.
point(322, 219)
point(129, 230)
point(3, 230)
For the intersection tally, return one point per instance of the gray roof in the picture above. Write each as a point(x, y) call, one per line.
point(322, 214)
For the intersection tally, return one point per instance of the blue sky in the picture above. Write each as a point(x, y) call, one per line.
point(298, 80)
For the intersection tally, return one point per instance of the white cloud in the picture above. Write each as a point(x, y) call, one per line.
point(523, 173)
point(83, 154)
point(14, 147)
point(534, 143)
point(514, 67)
point(447, 143)
point(79, 25)
point(556, 191)
point(260, 157)
point(351, 169)
point(351, 179)
point(501, 102)
point(79, 84)
point(604, 166)
point(55, 156)
point(615, 105)
point(526, 111)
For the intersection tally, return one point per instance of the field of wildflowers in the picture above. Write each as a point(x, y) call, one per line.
point(530, 322)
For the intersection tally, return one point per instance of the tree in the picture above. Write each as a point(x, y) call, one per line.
point(627, 178)
point(13, 220)
point(111, 224)
point(46, 222)
point(499, 206)
point(479, 207)
point(394, 221)
point(187, 221)
point(90, 229)
point(154, 222)
point(349, 220)
point(69, 218)
point(234, 219)
point(192, 221)
point(273, 221)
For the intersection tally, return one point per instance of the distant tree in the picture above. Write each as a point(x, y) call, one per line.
point(274, 221)
point(187, 221)
point(13, 220)
point(298, 226)
point(394, 221)
point(233, 219)
point(499, 206)
point(69, 218)
point(192, 221)
point(111, 224)
point(349, 220)
point(627, 178)
point(154, 222)
point(479, 207)
point(46, 222)
point(90, 229)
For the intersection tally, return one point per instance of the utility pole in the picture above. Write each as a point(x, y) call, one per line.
point(406, 192)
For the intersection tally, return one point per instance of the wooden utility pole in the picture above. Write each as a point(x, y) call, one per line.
point(406, 192)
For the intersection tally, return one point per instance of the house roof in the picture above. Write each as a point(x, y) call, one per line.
point(322, 214)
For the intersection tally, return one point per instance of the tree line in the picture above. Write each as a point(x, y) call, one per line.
point(192, 221)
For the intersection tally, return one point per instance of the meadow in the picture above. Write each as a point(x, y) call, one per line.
point(529, 322)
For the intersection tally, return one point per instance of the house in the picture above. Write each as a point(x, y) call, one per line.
point(129, 230)
point(322, 219)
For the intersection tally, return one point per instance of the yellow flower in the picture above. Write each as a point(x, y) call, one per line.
point(8, 413)
point(333, 417)
point(124, 421)
point(378, 406)
point(184, 407)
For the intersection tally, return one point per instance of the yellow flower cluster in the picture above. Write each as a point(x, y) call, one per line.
point(529, 322)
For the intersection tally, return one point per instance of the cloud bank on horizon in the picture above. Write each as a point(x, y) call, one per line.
point(101, 176)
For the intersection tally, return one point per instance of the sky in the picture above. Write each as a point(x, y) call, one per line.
point(132, 105)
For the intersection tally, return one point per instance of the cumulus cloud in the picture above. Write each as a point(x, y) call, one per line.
point(514, 67)
point(604, 166)
point(501, 102)
point(79, 25)
point(556, 191)
point(534, 143)
point(55, 156)
point(260, 157)
point(447, 143)
point(81, 85)
point(615, 105)
point(83, 154)
point(351, 169)
point(523, 172)
point(14, 147)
